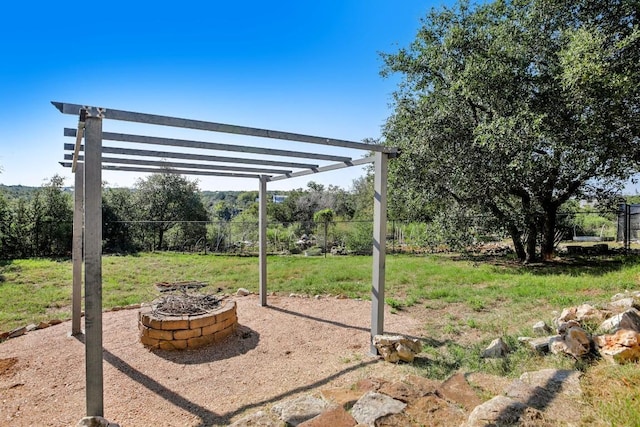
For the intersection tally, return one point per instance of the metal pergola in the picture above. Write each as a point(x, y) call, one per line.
point(264, 164)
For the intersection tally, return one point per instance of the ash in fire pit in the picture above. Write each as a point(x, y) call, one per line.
point(185, 304)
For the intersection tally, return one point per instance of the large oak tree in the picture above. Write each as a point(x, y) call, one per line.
point(511, 108)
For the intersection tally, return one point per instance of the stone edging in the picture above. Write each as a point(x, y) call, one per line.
point(182, 332)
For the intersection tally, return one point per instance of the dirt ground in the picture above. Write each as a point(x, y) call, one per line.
point(294, 346)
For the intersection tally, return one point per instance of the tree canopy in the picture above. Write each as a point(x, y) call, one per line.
point(165, 198)
point(511, 108)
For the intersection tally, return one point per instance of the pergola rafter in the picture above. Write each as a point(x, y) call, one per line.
point(88, 197)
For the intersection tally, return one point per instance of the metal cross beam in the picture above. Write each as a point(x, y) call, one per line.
point(172, 171)
point(174, 165)
point(201, 157)
point(142, 139)
point(154, 119)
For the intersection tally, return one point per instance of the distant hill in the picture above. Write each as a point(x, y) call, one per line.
point(15, 191)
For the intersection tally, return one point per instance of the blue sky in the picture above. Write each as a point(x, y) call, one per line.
point(306, 67)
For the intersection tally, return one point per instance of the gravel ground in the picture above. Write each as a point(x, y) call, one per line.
point(296, 345)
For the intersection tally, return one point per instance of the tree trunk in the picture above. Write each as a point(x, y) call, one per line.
point(548, 233)
point(160, 238)
point(515, 234)
point(532, 235)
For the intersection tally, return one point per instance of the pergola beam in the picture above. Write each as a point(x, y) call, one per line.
point(172, 171)
point(155, 119)
point(172, 142)
point(327, 168)
point(199, 157)
point(175, 165)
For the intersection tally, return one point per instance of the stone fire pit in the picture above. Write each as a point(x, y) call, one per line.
point(164, 329)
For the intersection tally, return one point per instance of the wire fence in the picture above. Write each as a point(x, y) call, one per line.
point(53, 238)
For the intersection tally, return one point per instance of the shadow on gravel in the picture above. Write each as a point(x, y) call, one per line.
point(207, 417)
point(426, 341)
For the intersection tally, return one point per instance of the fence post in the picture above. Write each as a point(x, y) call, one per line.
point(627, 226)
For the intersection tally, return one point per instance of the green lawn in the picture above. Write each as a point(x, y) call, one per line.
point(40, 289)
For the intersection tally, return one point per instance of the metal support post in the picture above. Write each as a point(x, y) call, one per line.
point(78, 214)
point(93, 265)
point(379, 246)
point(263, 239)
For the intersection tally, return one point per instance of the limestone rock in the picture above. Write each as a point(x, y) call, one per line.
point(621, 347)
point(628, 319)
point(625, 294)
point(536, 397)
point(626, 303)
point(31, 327)
point(434, 411)
point(259, 419)
point(242, 292)
point(340, 396)
point(573, 341)
point(374, 405)
point(42, 325)
point(399, 391)
point(335, 416)
point(558, 408)
point(499, 411)
point(496, 349)
point(581, 313)
point(394, 348)
point(17, 332)
point(541, 328)
point(300, 409)
point(95, 422)
point(456, 389)
point(541, 345)
point(566, 381)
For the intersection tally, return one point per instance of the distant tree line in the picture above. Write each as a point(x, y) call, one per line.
point(168, 211)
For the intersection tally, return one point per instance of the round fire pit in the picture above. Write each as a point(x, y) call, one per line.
point(162, 328)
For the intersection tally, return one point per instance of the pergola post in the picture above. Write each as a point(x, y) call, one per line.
point(78, 211)
point(379, 246)
point(263, 239)
point(93, 265)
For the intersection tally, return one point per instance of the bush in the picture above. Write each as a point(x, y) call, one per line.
point(359, 239)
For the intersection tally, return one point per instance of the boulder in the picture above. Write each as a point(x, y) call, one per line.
point(456, 389)
point(374, 405)
point(621, 347)
point(95, 422)
point(573, 340)
point(335, 416)
point(563, 381)
point(299, 410)
point(394, 348)
point(17, 332)
point(242, 292)
point(629, 319)
point(501, 411)
point(259, 419)
point(540, 345)
point(581, 313)
point(541, 328)
point(626, 303)
point(496, 349)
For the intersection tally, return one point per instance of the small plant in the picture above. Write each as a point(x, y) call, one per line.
point(393, 303)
